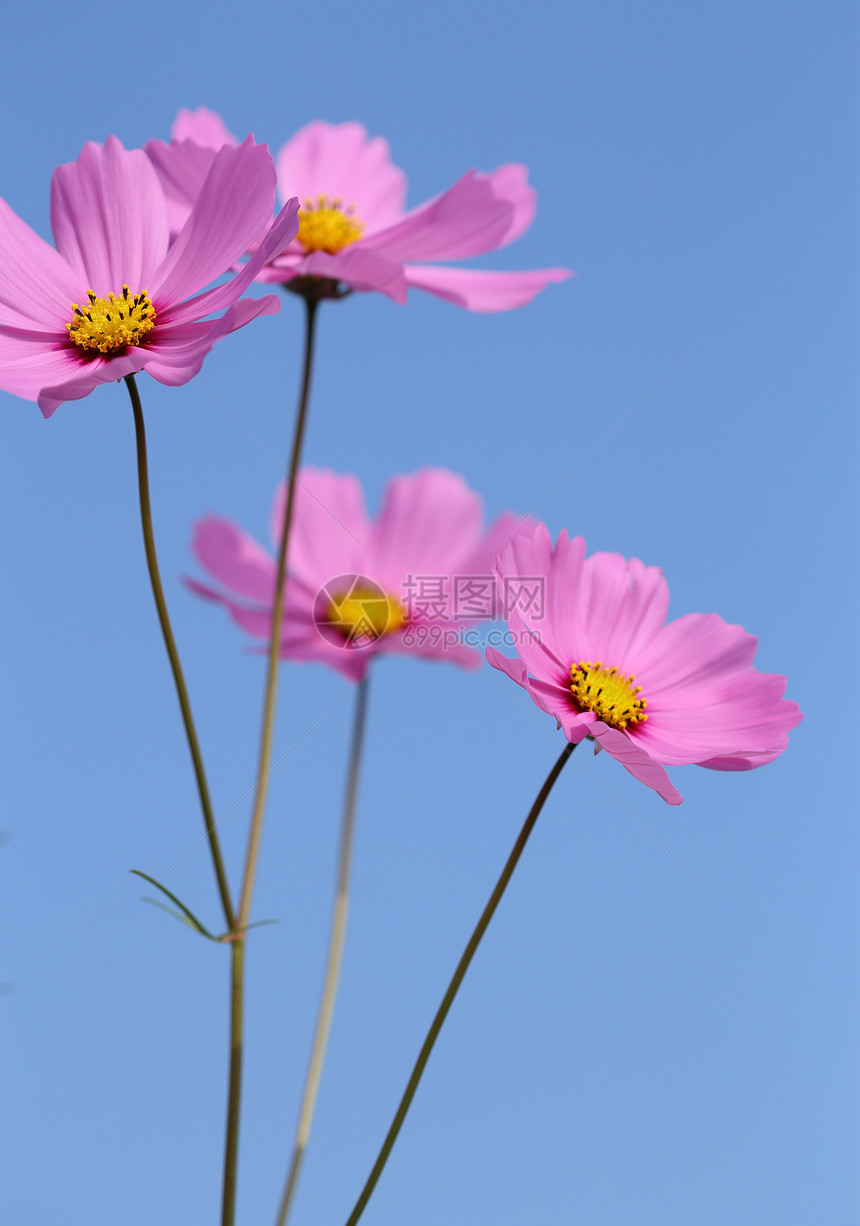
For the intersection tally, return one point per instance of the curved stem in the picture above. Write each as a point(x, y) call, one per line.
point(333, 962)
point(454, 985)
point(238, 929)
point(173, 654)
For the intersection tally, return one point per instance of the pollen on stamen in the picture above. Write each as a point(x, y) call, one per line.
point(615, 700)
point(109, 325)
point(326, 225)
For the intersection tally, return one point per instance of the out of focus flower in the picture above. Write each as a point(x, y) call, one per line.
point(596, 652)
point(354, 230)
point(408, 582)
point(111, 299)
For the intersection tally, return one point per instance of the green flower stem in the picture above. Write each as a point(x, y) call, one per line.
point(333, 962)
point(231, 1149)
point(234, 1092)
point(173, 654)
point(454, 985)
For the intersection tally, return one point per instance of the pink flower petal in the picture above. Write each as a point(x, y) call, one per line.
point(35, 281)
point(234, 559)
point(300, 642)
point(553, 699)
point(636, 760)
point(182, 167)
point(215, 299)
point(540, 654)
point(510, 183)
point(428, 523)
point(515, 669)
point(230, 214)
point(619, 607)
point(202, 126)
point(331, 531)
point(750, 718)
point(468, 219)
point(109, 217)
point(339, 162)
point(357, 266)
point(744, 762)
point(481, 290)
point(694, 651)
point(178, 353)
point(530, 568)
point(257, 619)
point(90, 375)
point(29, 361)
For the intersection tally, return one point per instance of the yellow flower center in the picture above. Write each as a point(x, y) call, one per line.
point(365, 614)
point(606, 692)
point(325, 225)
point(111, 324)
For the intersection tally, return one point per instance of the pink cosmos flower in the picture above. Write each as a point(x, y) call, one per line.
point(597, 653)
point(354, 230)
point(408, 582)
point(111, 299)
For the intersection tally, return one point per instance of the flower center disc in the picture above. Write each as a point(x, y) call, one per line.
point(365, 614)
point(608, 693)
point(109, 325)
point(325, 225)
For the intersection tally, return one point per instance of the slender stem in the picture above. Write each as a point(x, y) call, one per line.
point(173, 654)
point(275, 636)
point(454, 985)
point(335, 954)
point(234, 1093)
point(231, 1149)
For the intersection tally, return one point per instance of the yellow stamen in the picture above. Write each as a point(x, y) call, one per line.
point(325, 225)
point(365, 613)
point(109, 325)
point(608, 693)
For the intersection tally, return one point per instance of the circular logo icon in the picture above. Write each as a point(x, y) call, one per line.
point(351, 611)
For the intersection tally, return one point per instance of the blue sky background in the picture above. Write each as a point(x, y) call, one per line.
point(635, 1043)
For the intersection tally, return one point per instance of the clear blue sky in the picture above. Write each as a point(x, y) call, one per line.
point(636, 1043)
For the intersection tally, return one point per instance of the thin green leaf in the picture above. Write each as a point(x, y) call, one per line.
point(187, 916)
point(183, 919)
point(258, 924)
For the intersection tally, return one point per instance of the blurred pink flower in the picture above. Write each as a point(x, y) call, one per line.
point(112, 300)
point(597, 653)
point(408, 582)
point(353, 227)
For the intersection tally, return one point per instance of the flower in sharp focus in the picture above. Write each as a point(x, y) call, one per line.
point(112, 299)
point(596, 652)
point(354, 230)
point(408, 582)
